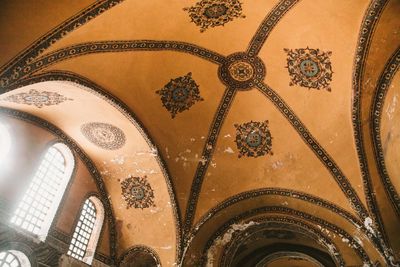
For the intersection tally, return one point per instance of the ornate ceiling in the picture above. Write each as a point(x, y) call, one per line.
point(222, 129)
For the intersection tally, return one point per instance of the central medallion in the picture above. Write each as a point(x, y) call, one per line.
point(241, 71)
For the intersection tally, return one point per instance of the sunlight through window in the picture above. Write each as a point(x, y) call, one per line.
point(40, 202)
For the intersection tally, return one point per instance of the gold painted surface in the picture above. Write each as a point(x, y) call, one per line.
point(229, 175)
point(390, 131)
point(25, 21)
point(166, 20)
point(134, 77)
point(384, 42)
point(154, 226)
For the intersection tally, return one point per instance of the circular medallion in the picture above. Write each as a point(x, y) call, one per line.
point(309, 67)
point(253, 139)
point(104, 135)
point(215, 11)
point(137, 192)
point(241, 71)
point(180, 94)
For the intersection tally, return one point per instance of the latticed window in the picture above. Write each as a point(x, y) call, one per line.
point(8, 259)
point(83, 231)
point(39, 204)
point(13, 258)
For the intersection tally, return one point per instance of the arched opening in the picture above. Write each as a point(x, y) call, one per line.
point(140, 257)
point(13, 258)
point(87, 230)
point(40, 202)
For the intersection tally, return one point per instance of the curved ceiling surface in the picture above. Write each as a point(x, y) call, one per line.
point(225, 106)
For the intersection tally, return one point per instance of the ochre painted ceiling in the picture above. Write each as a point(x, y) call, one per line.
point(238, 112)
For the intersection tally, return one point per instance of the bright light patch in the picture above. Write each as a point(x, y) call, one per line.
point(5, 143)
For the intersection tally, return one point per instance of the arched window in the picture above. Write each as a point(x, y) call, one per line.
point(13, 258)
point(87, 231)
point(39, 205)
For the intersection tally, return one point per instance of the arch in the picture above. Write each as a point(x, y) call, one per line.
point(36, 210)
point(82, 155)
point(285, 230)
point(141, 254)
point(13, 258)
point(101, 92)
point(291, 216)
point(87, 230)
point(288, 254)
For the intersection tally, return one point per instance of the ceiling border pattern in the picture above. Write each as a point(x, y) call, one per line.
point(139, 248)
point(321, 154)
point(207, 153)
point(367, 28)
point(267, 25)
point(264, 223)
point(294, 213)
point(291, 194)
point(82, 155)
point(112, 46)
point(127, 112)
point(27, 55)
point(391, 68)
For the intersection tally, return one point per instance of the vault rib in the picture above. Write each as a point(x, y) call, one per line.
point(35, 49)
point(207, 153)
point(265, 28)
point(321, 154)
point(113, 46)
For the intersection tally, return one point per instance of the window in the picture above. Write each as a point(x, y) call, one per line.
point(87, 231)
point(38, 206)
point(13, 258)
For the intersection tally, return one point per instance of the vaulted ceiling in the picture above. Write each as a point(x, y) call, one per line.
point(246, 117)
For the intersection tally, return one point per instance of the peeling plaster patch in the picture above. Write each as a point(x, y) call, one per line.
point(392, 107)
point(146, 171)
point(192, 139)
point(167, 152)
point(202, 137)
point(166, 247)
point(229, 150)
point(120, 159)
point(225, 239)
point(358, 240)
point(345, 240)
point(227, 135)
point(203, 161)
point(332, 249)
point(368, 224)
point(277, 164)
point(152, 152)
point(285, 203)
